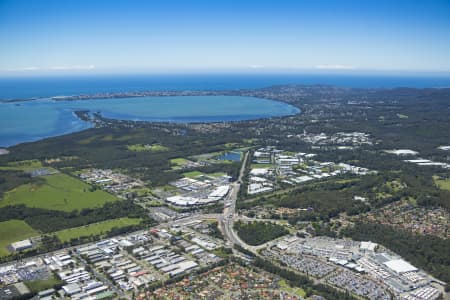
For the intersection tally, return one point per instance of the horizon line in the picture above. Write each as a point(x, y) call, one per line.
point(317, 71)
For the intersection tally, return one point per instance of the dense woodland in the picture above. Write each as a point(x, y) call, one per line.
point(257, 233)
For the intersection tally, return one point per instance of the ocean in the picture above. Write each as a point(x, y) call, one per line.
point(28, 87)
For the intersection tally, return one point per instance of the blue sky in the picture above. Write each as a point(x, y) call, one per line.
point(163, 36)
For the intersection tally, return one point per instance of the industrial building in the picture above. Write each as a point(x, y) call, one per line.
point(21, 245)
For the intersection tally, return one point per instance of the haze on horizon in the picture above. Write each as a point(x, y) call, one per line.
point(109, 37)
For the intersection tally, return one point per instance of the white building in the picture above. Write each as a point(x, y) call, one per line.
point(400, 266)
point(21, 245)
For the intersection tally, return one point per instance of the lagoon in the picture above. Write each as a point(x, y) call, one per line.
point(34, 120)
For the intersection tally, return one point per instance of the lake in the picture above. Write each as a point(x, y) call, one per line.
point(231, 155)
point(34, 120)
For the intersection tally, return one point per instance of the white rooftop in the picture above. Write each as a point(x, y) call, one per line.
point(186, 265)
point(400, 266)
point(402, 152)
point(259, 171)
point(21, 244)
point(368, 246)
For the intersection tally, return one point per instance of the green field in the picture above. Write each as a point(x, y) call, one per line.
point(443, 184)
point(59, 192)
point(152, 148)
point(24, 165)
point(193, 174)
point(12, 231)
point(178, 163)
point(203, 176)
point(95, 229)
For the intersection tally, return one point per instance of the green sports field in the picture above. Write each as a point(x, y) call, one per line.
point(59, 192)
point(12, 231)
point(95, 229)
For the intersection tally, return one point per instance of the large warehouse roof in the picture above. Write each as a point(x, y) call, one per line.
point(400, 266)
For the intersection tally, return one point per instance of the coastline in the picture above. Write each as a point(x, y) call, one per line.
point(96, 117)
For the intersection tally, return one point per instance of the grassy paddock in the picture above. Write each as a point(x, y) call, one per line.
point(178, 163)
point(59, 192)
point(95, 229)
point(193, 174)
point(24, 165)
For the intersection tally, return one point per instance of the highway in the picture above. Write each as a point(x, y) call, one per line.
point(228, 216)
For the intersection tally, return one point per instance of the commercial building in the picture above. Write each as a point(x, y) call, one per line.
point(400, 266)
point(21, 245)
